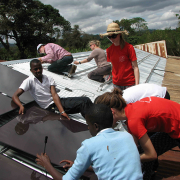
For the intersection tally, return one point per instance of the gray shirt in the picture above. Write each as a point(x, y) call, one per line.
point(100, 57)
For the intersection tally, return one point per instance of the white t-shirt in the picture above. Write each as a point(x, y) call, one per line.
point(135, 93)
point(39, 91)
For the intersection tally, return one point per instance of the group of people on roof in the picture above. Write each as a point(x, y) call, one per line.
point(151, 118)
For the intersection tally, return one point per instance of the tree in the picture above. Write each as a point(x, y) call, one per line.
point(178, 16)
point(29, 22)
point(75, 39)
point(139, 24)
point(125, 24)
point(133, 25)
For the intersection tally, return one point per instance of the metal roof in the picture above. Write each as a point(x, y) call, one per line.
point(151, 69)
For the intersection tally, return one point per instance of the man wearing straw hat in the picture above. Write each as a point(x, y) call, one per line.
point(122, 55)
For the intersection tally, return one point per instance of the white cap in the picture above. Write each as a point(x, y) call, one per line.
point(39, 47)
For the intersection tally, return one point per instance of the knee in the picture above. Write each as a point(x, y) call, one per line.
point(90, 75)
point(50, 68)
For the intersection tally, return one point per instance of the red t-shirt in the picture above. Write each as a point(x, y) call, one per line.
point(153, 114)
point(122, 71)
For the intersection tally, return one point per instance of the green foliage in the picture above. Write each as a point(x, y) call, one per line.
point(29, 22)
point(105, 43)
point(12, 54)
point(125, 24)
point(178, 16)
point(172, 38)
point(139, 25)
point(75, 39)
point(133, 25)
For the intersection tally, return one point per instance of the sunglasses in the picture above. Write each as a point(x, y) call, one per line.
point(113, 36)
point(90, 45)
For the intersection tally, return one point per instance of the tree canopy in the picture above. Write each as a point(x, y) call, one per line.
point(29, 22)
point(76, 39)
point(133, 25)
point(178, 16)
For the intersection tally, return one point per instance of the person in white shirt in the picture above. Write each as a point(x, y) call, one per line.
point(140, 91)
point(42, 88)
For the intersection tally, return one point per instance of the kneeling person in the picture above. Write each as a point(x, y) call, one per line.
point(42, 89)
point(112, 154)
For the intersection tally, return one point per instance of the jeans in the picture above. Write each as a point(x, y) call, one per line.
point(72, 105)
point(61, 65)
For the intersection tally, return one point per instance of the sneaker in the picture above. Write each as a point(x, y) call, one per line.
point(72, 70)
point(107, 78)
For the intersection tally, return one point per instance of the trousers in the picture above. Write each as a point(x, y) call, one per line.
point(162, 142)
point(122, 87)
point(61, 65)
point(99, 72)
point(73, 105)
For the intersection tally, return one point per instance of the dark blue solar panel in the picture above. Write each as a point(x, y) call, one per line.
point(11, 170)
point(10, 81)
point(27, 133)
point(6, 104)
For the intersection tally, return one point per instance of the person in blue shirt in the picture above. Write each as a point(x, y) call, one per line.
point(111, 154)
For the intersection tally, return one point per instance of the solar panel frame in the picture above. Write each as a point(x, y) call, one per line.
point(10, 169)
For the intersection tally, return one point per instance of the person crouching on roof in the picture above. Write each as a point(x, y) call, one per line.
point(103, 72)
point(150, 114)
point(58, 57)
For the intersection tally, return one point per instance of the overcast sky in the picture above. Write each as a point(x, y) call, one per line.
point(93, 16)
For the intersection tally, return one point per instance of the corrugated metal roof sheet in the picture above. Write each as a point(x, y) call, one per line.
point(151, 70)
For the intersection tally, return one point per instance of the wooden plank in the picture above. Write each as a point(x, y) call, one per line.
point(169, 162)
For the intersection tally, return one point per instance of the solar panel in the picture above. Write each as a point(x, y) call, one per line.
point(27, 133)
point(10, 169)
point(10, 81)
point(6, 104)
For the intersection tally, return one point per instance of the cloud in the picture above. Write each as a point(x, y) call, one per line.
point(94, 16)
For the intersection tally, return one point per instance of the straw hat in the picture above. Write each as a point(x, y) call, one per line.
point(113, 28)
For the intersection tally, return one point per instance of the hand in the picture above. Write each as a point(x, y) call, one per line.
point(67, 165)
point(43, 160)
point(76, 62)
point(21, 110)
point(41, 60)
point(65, 115)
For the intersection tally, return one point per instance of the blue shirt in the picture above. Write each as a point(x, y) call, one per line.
point(112, 155)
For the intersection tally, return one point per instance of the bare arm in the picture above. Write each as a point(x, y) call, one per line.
point(83, 61)
point(15, 98)
point(136, 72)
point(44, 161)
point(57, 101)
point(149, 151)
